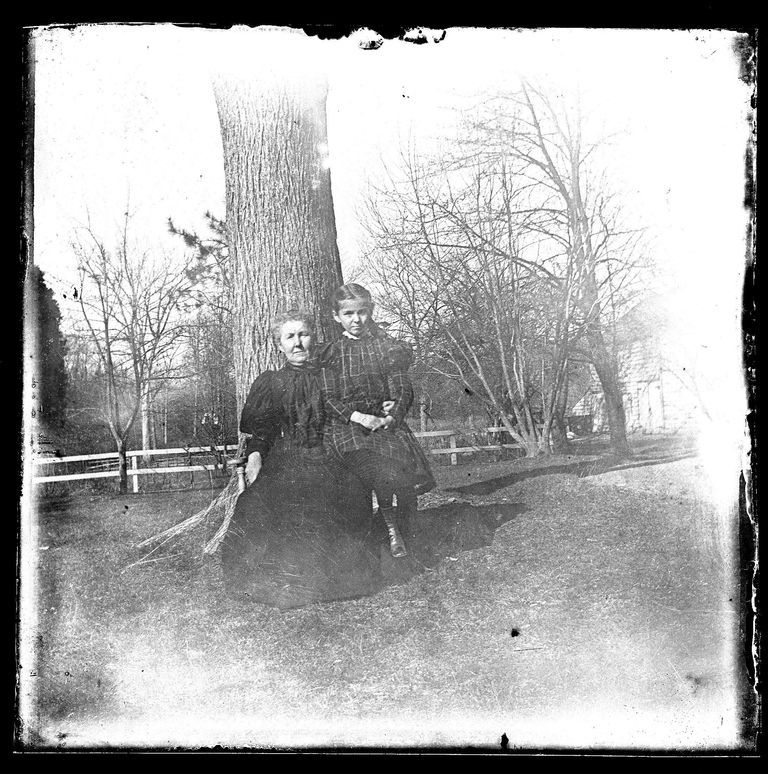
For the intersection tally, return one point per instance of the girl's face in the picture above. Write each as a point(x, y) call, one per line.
point(353, 315)
point(296, 341)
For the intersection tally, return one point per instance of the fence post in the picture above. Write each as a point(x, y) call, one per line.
point(135, 466)
point(452, 444)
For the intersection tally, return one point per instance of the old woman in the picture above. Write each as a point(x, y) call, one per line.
point(301, 531)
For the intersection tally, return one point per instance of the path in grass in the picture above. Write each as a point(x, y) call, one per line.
point(599, 614)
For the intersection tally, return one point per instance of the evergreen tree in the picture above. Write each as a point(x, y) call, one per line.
point(51, 393)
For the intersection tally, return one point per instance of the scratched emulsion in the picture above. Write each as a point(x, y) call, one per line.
point(597, 606)
point(745, 49)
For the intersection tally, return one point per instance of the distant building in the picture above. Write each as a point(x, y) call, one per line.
point(656, 373)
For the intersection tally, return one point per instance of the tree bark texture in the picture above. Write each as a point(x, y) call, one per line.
point(279, 208)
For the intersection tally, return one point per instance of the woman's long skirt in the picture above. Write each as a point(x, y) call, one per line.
point(302, 533)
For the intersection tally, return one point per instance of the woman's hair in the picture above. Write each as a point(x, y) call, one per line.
point(291, 315)
point(350, 292)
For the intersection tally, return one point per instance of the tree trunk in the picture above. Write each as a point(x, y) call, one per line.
point(560, 440)
point(280, 220)
point(165, 419)
point(545, 438)
point(122, 464)
point(516, 433)
point(153, 423)
point(605, 366)
point(146, 430)
point(423, 403)
point(195, 407)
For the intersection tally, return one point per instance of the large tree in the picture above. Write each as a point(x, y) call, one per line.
point(281, 231)
point(271, 99)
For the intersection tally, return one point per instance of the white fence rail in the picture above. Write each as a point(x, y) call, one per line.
point(108, 458)
point(134, 471)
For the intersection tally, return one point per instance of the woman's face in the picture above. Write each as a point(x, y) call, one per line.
point(353, 315)
point(296, 342)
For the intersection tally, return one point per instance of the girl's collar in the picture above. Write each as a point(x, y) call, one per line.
point(366, 335)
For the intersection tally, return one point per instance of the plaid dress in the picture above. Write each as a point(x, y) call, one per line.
point(359, 375)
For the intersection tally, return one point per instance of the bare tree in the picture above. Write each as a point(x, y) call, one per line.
point(452, 257)
point(209, 372)
point(522, 202)
point(518, 236)
point(209, 337)
point(411, 299)
point(589, 254)
point(128, 303)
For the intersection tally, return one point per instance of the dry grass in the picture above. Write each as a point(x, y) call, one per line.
point(596, 616)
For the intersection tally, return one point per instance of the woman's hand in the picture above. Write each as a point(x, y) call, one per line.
point(387, 406)
point(369, 421)
point(252, 467)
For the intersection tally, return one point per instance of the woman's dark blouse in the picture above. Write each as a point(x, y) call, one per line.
point(276, 407)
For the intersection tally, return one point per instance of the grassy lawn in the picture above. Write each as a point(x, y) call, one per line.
point(601, 612)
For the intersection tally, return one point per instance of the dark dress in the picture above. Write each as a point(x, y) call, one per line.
point(302, 532)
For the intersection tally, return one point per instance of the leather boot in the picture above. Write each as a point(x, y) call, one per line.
point(396, 542)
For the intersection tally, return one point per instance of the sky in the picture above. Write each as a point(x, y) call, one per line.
point(124, 115)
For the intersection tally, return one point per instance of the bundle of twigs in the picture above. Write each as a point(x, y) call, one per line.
point(222, 507)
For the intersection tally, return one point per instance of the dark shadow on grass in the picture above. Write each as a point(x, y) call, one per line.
point(431, 536)
point(434, 534)
point(641, 463)
point(578, 468)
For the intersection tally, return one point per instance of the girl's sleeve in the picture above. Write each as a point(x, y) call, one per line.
point(261, 416)
point(398, 357)
point(330, 390)
point(401, 392)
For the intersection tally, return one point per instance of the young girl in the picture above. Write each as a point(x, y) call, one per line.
point(364, 373)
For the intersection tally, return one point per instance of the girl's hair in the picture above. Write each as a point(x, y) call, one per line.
point(350, 292)
point(291, 315)
point(354, 292)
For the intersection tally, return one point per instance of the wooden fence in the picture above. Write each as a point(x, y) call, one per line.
point(104, 465)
